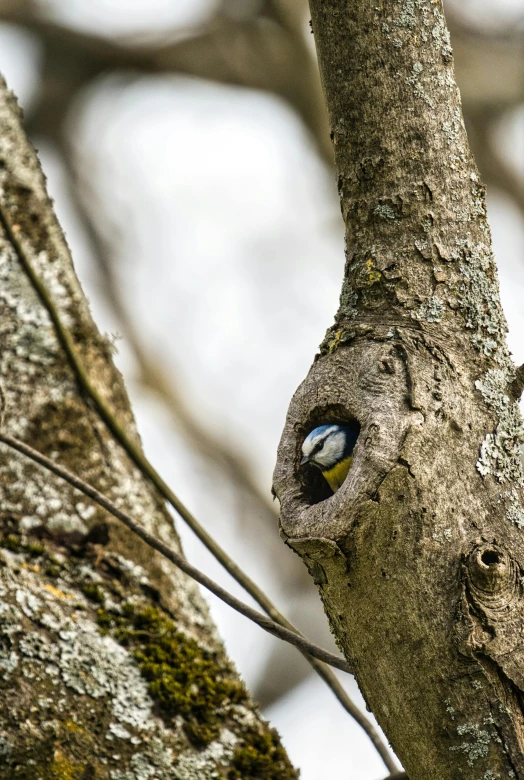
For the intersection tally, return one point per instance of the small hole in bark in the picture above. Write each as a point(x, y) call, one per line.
point(490, 557)
point(319, 478)
point(490, 569)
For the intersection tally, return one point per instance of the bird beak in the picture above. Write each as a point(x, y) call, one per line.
point(305, 459)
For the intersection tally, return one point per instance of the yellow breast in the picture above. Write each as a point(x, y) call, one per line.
point(336, 476)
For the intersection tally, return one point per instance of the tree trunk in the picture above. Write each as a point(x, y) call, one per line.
point(419, 556)
point(109, 664)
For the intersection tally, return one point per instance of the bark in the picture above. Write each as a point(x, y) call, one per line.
point(419, 556)
point(110, 666)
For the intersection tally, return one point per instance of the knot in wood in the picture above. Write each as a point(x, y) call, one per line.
point(495, 613)
point(492, 578)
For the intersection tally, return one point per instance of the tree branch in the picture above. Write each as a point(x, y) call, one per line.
point(403, 553)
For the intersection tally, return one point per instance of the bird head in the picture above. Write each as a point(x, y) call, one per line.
point(327, 445)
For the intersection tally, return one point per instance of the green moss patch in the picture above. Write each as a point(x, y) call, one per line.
point(12, 542)
point(93, 592)
point(183, 678)
point(15, 543)
point(262, 757)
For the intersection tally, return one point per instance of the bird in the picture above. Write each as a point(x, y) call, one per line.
point(330, 448)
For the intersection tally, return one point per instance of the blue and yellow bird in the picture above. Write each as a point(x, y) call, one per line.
point(330, 448)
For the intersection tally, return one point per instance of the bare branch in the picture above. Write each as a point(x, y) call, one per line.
point(417, 355)
point(152, 373)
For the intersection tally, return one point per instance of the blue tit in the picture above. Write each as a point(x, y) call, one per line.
point(330, 448)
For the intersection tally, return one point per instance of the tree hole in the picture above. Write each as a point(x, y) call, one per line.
point(328, 443)
point(490, 557)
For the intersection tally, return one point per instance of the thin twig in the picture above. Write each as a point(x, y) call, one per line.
point(257, 617)
point(148, 470)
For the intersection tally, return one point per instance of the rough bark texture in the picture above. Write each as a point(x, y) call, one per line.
point(419, 556)
point(109, 664)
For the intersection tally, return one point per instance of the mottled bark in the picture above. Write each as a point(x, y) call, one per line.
point(110, 666)
point(419, 556)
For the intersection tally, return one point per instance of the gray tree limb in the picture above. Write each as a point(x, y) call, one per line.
point(110, 666)
point(419, 557)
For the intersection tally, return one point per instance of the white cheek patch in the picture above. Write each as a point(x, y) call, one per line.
point(332, 450)
point(308, 447)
